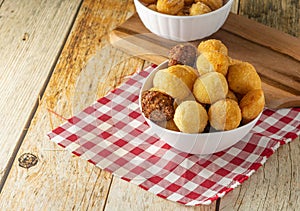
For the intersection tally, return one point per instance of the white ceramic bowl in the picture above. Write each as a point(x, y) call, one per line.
point(201, 143)
point(183, 28)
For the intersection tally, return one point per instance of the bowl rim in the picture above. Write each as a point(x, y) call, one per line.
point(164, 65)
point(227, 4)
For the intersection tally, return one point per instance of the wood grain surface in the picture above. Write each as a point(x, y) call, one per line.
point(31, 40)
point(85, 67)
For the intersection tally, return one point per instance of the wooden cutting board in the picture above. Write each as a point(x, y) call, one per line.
point(275, 55)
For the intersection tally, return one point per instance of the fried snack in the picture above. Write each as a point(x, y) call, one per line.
point(157, 106)
point(252, 104)
point(210, 88)
point(190, 117)
point(148, 1)
point(212, 61)
point(177, 81)
point(213, 4)
point(170, 125)
point(188, 2)
point(152, 7)
point(169, 7)
point(231, 95)
point(199, 9)
point(242, 78)
point(185, 54)
point(225, 115)
point(212, 45)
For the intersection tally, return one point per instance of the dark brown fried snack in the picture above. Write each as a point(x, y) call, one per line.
point(184, 54)
point(157, 106)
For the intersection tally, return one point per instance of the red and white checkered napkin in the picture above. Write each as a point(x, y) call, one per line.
point(113, 135)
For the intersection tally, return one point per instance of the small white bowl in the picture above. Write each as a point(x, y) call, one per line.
point(201, 143)
point(183, 28)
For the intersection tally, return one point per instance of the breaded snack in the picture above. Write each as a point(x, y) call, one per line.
point(152, 7)
point(231, 95)
point(212, 61)
point(157, 106)
point(199, 9)
point(148, 1)
point(212, 45)
point(190, 117)
point(210, 88)
point(242, 78)
point(213, 4)
point(185, 11)
point(252, 104)
point(188, 2)
point(169, 7)
point(170, 125)
point(185, 54)
point(225, 115)
point(177, 81)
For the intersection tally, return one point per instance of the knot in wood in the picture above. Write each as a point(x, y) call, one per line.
point(27, 160)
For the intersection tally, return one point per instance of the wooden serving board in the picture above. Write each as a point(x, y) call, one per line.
point(275, 55)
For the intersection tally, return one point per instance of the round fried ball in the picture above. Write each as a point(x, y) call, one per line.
point(252, 104)
point(225, 115)
point(231, 95)
point(148, 1)
point(190, 117)
point(177, 81)
point(185, 54)
point(188, 2)
point(170, 125)
point(152, 7)
point(210, 88)
point(157, 106)
point(242, 78)
point(213, 4)
point(199, 9)
point(212, 61)
point(212, 45)
point(169, 7)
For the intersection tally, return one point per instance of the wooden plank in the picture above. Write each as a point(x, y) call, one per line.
point(136, 199)
point(278, 65)
point(32, 33)
point(275, 186)
point(281, 15)
point(60, 180)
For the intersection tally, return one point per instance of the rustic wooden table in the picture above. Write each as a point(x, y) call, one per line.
point(44, 48)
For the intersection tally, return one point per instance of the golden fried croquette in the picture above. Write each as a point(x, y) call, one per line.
point(213, 4)
point(170, 125)
point(252, 104)
point(210, 88)
point(242, 78)
point(212, 61)
point(152, 7)
point(199, 9)
point(169, 7)
point(177, 81)
point(212, 45)
point(190, 117)
point(231, 95)
point(224, 115)
point(148, 1)
point(188, 2)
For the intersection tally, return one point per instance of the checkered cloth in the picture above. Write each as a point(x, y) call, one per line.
point(113, 135)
